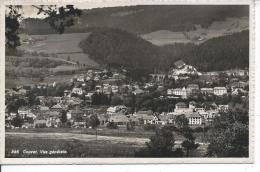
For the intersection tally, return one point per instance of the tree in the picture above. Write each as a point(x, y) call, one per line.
point(17, 121)
point(181, 122)
point(93, 121)
point(231, 141)
point(112, 125)
point(130, 125)
point(189, 143)
point(160, 145)
point(63, 117)
point(58, 17)
point(116, 100)
point(12, 26)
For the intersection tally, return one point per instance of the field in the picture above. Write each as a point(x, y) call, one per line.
point(84, 142)
point(199, 34)
point(63, 46)
point(73, 145)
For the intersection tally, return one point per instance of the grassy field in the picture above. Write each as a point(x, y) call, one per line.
point(64, 46)
point(216, 29)
point(80, 143)
point(102, 131)
point(70, 147)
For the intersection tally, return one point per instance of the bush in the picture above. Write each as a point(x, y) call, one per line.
point(148, 127)
point(112, 125)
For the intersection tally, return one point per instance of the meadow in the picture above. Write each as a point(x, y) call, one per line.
point(83, 142)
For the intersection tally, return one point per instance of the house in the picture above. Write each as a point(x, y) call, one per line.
point(77, 91)
point(98, 89)
point(180, 105)
point(178, 92)
point(192, 105)
point(158, 77)
point(194, 118)
point(74, 114)
point(24, 111)
point(209, 115)
point(179, 64)
point(219, 91)
point(81, 78)
point(119, 119)
point(57, 99)
point(58, 107)
point(223, 108)
point(67, 93)
point(207, 90)
point(164, 119)
point(10, 92)
point(139, 114)
point(181, 108)
point(114, 89)
point(107, 89)
point(138, 91)
point(71, 101)
point(53, 119)
point(237, 91)
point(40, 123)
point(193, 89)
point(22, 91)
point(88, 97)
point(103, 119)
point(134, 120)
point(150, 119)
point(237, 72)
point(44, 108)
point(116, 109)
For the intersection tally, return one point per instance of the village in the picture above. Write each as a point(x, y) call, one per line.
point(108, 98)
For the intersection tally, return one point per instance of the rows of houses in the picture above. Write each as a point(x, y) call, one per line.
point(196, 116)
point(192, 89)
point(43, 116)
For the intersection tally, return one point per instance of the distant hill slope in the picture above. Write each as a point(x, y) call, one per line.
point(199, 34)
point(120, 48)
point(116, 47)
point(64, 46)
point(221, 53)
point(145, 18)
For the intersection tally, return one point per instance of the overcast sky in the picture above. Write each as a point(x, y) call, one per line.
point(30, 11)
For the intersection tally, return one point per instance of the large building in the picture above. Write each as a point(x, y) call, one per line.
point(207, 90)
point(182, 92)
point(220, 91)
point(194, 119)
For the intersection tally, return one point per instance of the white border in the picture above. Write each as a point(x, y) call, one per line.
point(128, 160)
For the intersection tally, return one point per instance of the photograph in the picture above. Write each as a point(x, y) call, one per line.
point(128, 81)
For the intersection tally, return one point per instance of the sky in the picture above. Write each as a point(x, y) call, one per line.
point(28, 11)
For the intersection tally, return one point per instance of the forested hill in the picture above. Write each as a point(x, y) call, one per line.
point(115, 47)
point(120, 48)
point(145, 18)
point(222, 53)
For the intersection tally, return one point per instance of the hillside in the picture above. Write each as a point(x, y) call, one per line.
point(115, 47)
point(134, 19)
point(64, 46)
point(199, 34)
point(221, 53)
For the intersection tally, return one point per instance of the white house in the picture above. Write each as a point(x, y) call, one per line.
point(182, 92)
point(220, 91)
point(194, 118)
point(77, 91)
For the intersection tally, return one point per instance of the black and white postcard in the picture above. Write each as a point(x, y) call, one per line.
point(125, 82)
